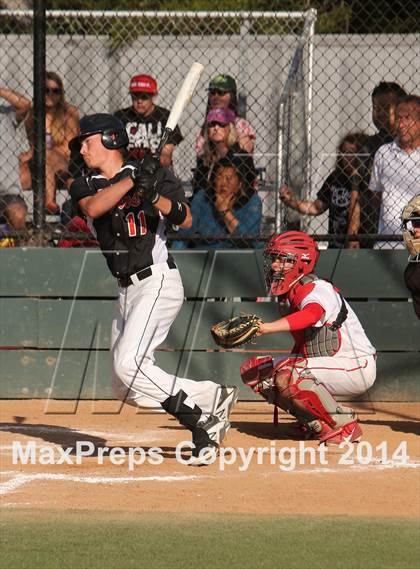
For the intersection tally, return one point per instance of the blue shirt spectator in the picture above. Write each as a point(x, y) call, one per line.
point(230, 209)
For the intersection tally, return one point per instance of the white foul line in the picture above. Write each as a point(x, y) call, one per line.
point(144, 436)
point(21, 479)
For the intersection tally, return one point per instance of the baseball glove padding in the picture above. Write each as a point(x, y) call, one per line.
point(236, 331)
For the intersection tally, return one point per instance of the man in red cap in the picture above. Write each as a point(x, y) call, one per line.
point(145, 121)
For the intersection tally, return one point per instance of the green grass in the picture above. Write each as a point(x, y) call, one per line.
point(92, 540)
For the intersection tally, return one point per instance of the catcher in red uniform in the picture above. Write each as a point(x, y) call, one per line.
point(331, 356)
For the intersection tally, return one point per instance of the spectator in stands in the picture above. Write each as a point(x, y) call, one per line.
point(365, 217)
point(223, 95)
point(61, 126)
point(220, 141)
point(145, 121)
point(335, 193)
point(231, 208)
point(396, 166)
point(77, 225)
point(411, 233)
point(13, 209)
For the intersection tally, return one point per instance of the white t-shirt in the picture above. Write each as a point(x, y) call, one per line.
point(13, 141)
point(396, 174)
point(353, 340)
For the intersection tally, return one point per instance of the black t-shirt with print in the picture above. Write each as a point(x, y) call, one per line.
point(336, 194)
point(132, 234)
point(144, 133)
point(369, 208)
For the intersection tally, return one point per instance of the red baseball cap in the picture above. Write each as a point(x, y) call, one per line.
point(143, 84)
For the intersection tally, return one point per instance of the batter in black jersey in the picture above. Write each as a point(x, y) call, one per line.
point(145, 121)
point(127, 204)
point(131, 234)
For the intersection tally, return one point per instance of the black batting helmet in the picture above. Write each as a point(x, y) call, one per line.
point(112, 129)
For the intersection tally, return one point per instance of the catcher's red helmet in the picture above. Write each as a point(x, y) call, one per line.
point(296, 247)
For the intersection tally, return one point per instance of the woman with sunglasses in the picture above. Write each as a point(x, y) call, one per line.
point(221, 140)
point(61, 126)
point(145, 121)
point(223, 95)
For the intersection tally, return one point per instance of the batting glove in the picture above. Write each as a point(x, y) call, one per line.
point(145, 178)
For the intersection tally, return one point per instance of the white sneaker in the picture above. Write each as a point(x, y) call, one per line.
point(228, 396)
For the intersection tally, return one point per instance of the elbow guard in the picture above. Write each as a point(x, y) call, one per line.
point(178, 213)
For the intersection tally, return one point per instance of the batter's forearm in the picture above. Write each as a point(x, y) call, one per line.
point(165, 206)
point(103, 201)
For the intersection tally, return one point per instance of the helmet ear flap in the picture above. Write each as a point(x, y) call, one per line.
point(113, 139)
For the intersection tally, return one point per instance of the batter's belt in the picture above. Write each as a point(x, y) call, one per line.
point(142, 274)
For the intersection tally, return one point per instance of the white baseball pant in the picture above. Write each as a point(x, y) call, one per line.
point(144, 314)
point(340, 375)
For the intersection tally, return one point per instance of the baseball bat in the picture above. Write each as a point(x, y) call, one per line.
point(183, 98)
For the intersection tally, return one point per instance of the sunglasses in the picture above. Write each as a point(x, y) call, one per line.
point(53, 90)
point(141, 96)
point(217, 92)
point(217, 123)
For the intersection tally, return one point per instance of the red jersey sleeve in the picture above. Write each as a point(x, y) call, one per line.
point(308, 316)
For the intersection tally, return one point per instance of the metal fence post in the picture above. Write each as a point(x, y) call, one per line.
point(39, 32)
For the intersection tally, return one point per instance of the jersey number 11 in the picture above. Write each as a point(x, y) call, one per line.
point(133, 229)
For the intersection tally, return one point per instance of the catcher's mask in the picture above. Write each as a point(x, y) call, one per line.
point(293, 247)
point(410, 222)
point(114, 134)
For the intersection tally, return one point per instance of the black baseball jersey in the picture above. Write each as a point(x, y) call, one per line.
point(144, 133)
point(336, 194)
point(132, 235)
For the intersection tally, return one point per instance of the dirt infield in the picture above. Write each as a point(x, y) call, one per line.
point(263, 468)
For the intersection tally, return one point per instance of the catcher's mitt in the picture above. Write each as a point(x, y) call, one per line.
point(236, 331)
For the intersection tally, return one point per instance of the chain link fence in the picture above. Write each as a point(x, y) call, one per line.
point(303, 137)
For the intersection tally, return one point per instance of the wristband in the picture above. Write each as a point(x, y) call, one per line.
point(154, 198)
point(178, 213)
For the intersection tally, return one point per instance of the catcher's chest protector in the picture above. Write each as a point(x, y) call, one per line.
point(321, 342)
point(324, 341)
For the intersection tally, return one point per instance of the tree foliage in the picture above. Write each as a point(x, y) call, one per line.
point(334, 16)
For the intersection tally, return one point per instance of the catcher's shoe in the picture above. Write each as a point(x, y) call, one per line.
point(349, 433)
point(207, 436)
point(297, 430)
point(228, 396)
point(311, 430)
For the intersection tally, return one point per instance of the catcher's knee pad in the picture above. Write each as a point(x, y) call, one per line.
point(309, 395)
point(257, 373)
point(256, 370)
point(287, 371)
